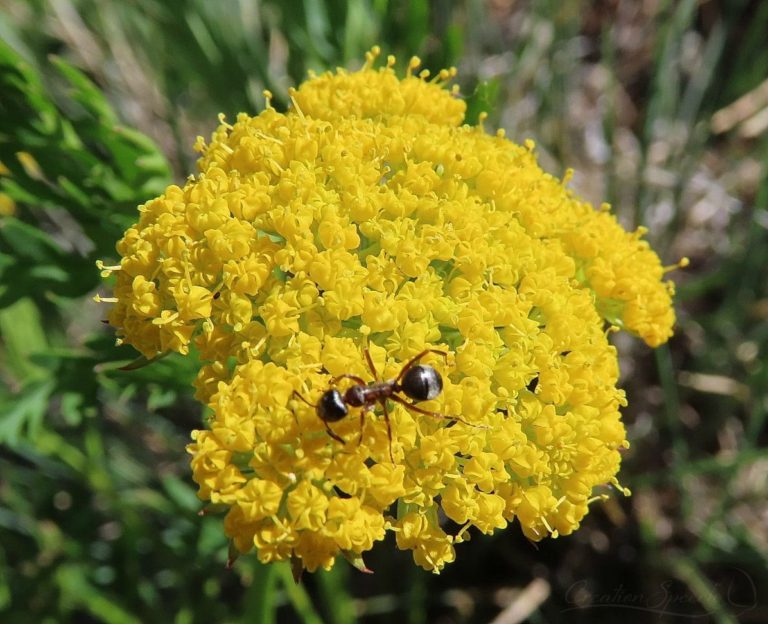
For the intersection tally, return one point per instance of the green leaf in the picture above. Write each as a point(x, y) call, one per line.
point(22, 335)
point(85, 92)
point(76, 591)
point(181, 494)
point(22, 414)
point(28, 242)
point(483, 100)
point(5, 590)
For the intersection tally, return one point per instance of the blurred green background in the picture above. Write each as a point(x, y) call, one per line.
point(661, 107)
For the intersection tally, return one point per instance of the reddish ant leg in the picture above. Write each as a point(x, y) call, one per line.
point(371, 365)
point(389, 429)
point(296, 393)
point(355, 378)
point(336, 437)
point(362, 424)
point(420, 410)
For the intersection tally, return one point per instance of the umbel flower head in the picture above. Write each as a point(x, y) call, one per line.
point(369, 217)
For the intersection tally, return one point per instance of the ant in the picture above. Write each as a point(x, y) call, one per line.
point(418, 382)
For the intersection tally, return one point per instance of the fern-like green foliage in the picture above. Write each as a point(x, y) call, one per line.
point(68, 421)
point(76, 173)
point(76, 176)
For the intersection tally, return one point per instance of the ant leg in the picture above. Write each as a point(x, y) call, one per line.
point(362, 424)
point(296, 393)
point(366, 408)
point(416, 358)
point(389, 428)
point(352, 377)
point(371, 365)
point(327, 428)
point(421, 410)
point(336, 437)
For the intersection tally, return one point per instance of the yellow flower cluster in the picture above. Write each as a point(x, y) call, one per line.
point(368, 217)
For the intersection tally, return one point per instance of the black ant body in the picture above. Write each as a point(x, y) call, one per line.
point(418, 382)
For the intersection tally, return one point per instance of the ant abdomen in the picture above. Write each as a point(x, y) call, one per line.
point(422, 383)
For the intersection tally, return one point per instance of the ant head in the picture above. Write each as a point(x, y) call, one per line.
point(422, 383)
point(331, 406)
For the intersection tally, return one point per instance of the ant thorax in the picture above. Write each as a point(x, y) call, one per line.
point(355, 396)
